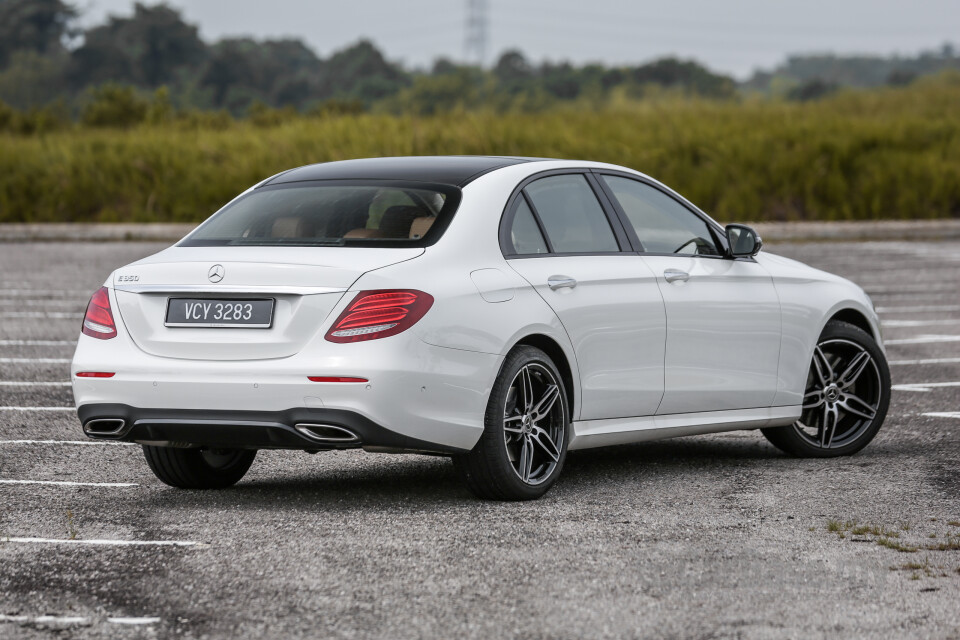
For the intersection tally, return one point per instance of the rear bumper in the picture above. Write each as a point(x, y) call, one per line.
point(247, 429)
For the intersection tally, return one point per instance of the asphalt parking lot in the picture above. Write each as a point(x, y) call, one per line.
point(704, 537)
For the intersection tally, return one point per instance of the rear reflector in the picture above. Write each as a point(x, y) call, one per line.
point(335, 379)
point(98, 321)
point(95, 374)
point(379, 314)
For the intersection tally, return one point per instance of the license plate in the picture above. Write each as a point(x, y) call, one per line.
point(243, 314)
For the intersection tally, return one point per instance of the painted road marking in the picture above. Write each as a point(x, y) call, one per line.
point(72, 620)
point(36, 343)
point(127, 620)
point(924, 339)
point(78, 442)
point(947, 414)
point(38, 408)
point(114, 543)
point(924, 386)
point(67, 483)
point(40, 314)
point(34, 360)
point(17, 292)
point(919, 323)
point(18, 383)
point(45, 619)
point(925, 361)
point(918, 309)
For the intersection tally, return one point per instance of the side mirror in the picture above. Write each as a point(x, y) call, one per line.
point(743, 241)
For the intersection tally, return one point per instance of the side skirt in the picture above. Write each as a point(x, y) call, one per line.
point(603, 433)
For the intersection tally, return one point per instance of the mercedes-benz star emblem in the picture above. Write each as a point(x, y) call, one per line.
point(216, 273)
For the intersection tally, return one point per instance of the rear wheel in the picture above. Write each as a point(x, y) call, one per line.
point(846, 398)
point(524, 443)
point(198, 468)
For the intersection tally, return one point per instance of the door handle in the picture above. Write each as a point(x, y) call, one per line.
point(560, 282)
point(675, 275)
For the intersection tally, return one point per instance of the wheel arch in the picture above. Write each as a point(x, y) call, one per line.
point(857, 319)
point(553, 349)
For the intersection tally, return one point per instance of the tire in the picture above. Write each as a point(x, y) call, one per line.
point(845, 400)
point(519, 456)
point(198, 468)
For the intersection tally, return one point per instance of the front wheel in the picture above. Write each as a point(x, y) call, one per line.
point(526, 430)
point(198, 468)
point(846, 398)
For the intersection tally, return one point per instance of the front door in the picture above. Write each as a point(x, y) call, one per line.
point(723, 315)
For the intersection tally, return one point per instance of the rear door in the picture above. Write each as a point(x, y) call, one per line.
point(558, 237)
point(723, 315)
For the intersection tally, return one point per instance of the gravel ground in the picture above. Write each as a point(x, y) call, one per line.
point(703, 537)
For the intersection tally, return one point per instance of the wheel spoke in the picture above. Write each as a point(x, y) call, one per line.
point(546, 443)
point(858, 407)
point(546, 403)
point(822, 366)
point(828, 426)
point(853, 370)
point(526, 460)
point(526, 381)
point(813, 399)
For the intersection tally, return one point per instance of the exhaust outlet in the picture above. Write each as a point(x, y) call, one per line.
point(104, 427)
point(327, 433)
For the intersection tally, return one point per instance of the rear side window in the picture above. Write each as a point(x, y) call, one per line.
point(332, 214)
point(571, 215)
point(662, 224)
point(525, 234)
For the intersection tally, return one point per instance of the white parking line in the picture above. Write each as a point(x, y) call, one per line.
point(36, 343)
point(38, 408)
point(34, 360)
point(53, 302)
point(20, 383)
point(924, 339)
point(72, 442)
point(919, 323)
point(918, 309)
point(108, 543)
point(45, 619)
point(126, 620)
point(925, 361)
point(67, 483)
point(947, 414)
point(40, 314)
point(33, 292)
point(70, 620)
point(924, 386)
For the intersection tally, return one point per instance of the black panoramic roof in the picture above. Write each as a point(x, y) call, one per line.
point(454, 170)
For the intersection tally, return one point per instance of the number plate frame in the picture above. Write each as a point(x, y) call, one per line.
point(219, 324)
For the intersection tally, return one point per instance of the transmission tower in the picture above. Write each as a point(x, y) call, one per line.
point(475, 36)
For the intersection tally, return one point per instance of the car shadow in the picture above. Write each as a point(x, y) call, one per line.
point(425, 481)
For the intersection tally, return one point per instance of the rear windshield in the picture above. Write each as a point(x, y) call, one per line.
point(329, 213)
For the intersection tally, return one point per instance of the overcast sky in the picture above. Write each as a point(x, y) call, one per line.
point(733, 36)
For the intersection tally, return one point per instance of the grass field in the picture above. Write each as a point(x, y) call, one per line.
point(889, 153)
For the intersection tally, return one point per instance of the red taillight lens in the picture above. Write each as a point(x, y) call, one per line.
point(95, 374)
point(335, 379)
point(379, 314)
point(98, 322)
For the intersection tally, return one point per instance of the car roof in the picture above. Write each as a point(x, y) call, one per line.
point(453, 170)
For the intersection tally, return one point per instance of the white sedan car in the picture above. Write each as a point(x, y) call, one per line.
point(501, 311)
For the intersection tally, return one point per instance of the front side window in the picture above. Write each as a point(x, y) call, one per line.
point(662, 224)
point(331, 214)
point(571, 215)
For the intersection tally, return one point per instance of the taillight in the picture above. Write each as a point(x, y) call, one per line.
point(379, 314)
point(98, 322)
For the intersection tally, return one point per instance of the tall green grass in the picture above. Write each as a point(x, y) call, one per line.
point(890, 153)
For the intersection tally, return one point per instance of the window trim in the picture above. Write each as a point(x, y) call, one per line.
point(718, 233)
point(624, 244)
